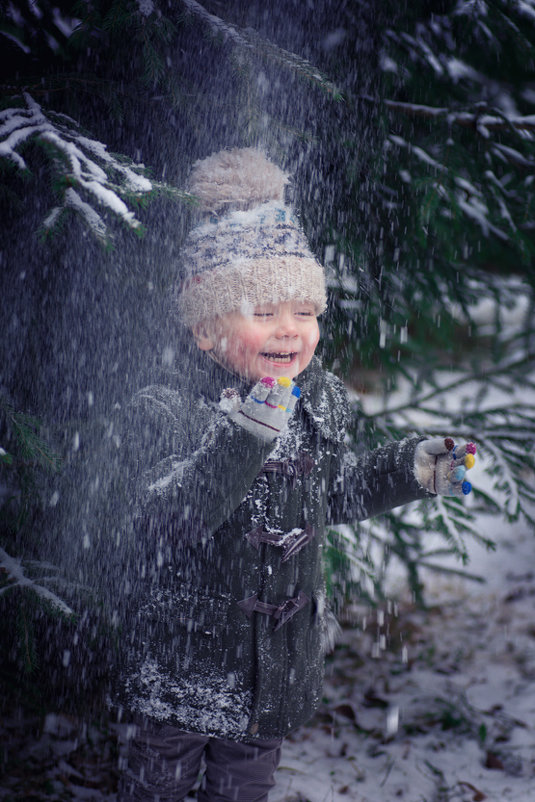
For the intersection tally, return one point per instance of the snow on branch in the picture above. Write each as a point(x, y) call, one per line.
point(12, 574)
point(90, 177)
point(512, 155)
point(479, 121)
point(473, 201)
point(525, 8)
point(250, 40)
point(419, 152)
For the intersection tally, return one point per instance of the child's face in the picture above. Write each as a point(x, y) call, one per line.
point(274, 340)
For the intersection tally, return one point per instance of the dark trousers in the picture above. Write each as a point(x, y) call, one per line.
point(163, 765)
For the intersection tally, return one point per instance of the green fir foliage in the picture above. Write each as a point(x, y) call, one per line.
point(25, 454)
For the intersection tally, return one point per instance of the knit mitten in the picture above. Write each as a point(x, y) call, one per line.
point(440, 466)
point(266, 410)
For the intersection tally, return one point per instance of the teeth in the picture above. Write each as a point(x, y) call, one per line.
point(279, 357)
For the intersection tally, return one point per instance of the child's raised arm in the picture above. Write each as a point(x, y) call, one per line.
point(196, 464)
point(396, 474)
point(375, 482)
point(190, 463)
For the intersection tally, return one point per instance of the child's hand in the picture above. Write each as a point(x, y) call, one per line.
point(440, 466)
point(266, 410)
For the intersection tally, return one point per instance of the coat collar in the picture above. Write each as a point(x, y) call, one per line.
point(325, 401)
point(323, 396)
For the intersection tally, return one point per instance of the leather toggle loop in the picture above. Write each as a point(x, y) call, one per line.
point(282, 613)
point(302, 465)
point(290, 542)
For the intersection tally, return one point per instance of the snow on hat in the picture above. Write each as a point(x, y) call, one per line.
point(250, 250)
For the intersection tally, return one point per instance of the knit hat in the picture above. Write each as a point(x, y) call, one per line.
point(250, 249)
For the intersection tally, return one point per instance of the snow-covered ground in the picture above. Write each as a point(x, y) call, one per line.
point(430, 705)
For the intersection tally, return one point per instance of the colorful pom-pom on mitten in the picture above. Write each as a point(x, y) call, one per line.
point(266, 410)
point(440, 466)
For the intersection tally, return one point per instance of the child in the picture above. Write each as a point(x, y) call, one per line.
point(238, 465)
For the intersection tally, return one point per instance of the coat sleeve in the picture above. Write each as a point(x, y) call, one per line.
point(190, 464)
point(373, 483)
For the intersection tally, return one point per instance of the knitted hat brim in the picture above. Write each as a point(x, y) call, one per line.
point(248, 284)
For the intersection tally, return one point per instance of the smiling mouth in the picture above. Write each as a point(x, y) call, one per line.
point(285, 357)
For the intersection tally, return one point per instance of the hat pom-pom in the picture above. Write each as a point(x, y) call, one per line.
point(236, 179)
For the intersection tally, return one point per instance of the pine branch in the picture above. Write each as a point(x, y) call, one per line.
point(250, 41)
point(486, 374)
point(445, 569)
point(13, 576)
point(90, 178)
point(31, 447)
point(5, 456)
point(480, 121)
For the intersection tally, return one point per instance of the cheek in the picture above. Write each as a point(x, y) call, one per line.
point(313, 338)
point(244, 348)
point(253, 345)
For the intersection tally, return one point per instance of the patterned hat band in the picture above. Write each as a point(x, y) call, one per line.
point(246, 259)
point(244, 285)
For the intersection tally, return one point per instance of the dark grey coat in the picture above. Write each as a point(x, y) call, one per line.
point(225, 577)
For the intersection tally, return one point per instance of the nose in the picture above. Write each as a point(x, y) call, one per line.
point(286, 324)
